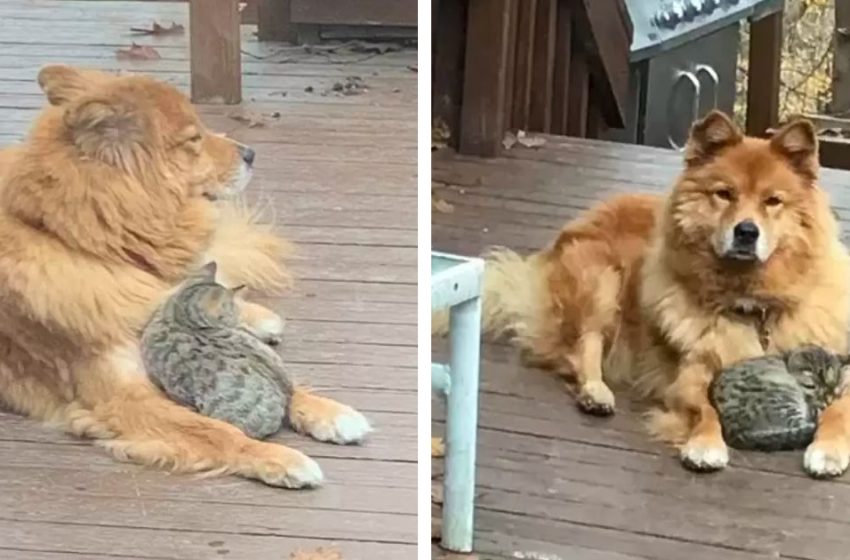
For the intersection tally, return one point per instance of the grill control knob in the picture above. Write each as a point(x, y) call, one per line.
point(691, 9)
point(678, 11)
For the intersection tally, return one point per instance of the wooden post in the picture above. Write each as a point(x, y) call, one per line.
point(524, 58)
point(840, 104)
point(763, 79)
point(579, 93)
point(275, 22)
point(215, 58)
point(543, 66)
point(482, 114)
point(561, 79)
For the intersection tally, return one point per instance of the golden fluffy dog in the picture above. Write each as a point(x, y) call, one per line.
point(110, 201)
point(741, 259)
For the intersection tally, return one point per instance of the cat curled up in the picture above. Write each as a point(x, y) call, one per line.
point(195, 350)
point(772, 403)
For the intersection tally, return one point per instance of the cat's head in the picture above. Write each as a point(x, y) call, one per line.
point(203, 302)
point(816, 368)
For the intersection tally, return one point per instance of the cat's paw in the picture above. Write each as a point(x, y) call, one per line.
point(826, 459)
point(596, 398)
point(288, 468)
point(704, 455)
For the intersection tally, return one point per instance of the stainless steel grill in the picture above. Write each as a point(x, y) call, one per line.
point(683, 64)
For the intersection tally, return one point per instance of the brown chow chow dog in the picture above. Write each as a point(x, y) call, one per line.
point(742, 258)
point(107, 205)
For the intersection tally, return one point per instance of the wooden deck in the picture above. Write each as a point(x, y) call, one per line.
point(340, 174)
point(554, 484)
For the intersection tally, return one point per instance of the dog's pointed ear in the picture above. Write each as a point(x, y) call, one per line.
point(61, 83)
point(709, 135)
point(105, 129)
point(797, 143)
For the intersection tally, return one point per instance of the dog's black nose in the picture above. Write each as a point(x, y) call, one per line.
point(746, 232)
point(247, 154)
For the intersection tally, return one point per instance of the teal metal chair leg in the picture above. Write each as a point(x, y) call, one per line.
point(461, 425)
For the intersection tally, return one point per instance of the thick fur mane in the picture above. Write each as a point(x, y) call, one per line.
point(132, 211)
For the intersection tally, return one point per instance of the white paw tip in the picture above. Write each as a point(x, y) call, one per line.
point(306, 475)
point(271, 327)
point(705, 458)
point(818, 462)
point(351, 427)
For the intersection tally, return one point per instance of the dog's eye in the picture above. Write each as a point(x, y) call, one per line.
point(724, 194)
point(772, 201)
point(196, 138)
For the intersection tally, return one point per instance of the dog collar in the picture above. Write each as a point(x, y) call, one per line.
point(761, 314)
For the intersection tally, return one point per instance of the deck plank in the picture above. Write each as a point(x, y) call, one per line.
point(338, 176)
point(556, 484)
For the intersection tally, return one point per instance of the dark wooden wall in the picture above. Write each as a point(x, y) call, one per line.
point(553, 66)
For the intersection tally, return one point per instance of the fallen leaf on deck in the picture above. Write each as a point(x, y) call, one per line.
point(137, 52)
point(440, 134)
point(438, 447)
point(157, 29)
point(372, 48)
point(318, 554)
point(353, 85)
point(509, 140)
point(413, 69)
point(436, 528)
point(444, 207)
point(437, 493)
point(251, 122)
point(528, 140)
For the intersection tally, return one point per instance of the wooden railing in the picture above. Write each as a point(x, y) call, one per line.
point(555, 66)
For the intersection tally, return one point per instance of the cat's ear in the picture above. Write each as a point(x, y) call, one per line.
point(209, 270)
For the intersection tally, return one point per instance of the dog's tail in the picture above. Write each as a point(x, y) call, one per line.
point(667, 426)
point(513, 294)
point(248, 250)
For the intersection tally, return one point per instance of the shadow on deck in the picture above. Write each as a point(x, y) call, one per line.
point(554, 484)
point(339, 172)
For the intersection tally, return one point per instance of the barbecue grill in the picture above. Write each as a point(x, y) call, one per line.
point(682, 64)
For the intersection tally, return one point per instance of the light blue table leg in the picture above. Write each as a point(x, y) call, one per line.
point(461, 423)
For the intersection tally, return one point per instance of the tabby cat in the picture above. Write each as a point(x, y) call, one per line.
point(194, 349)
point(772, 403)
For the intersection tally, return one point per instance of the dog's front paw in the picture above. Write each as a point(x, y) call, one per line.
point(596, 398)
point(287, 468)
point(325, 419)
point(704, 454)
point(269, 330)
point(826, 458)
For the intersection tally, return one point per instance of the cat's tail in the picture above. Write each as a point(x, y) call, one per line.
point(513, 295)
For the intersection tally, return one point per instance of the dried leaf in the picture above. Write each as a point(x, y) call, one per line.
point(509, 140)
point(250, 121)
point(137, 52)
point(438, 447)
point(437, 493)
point(372, 48)
point(436, 528)
point(413, 69)
point(440, 205)
point(157, 29)
point(440, 134)
point(528, 140)
point(320, 553)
